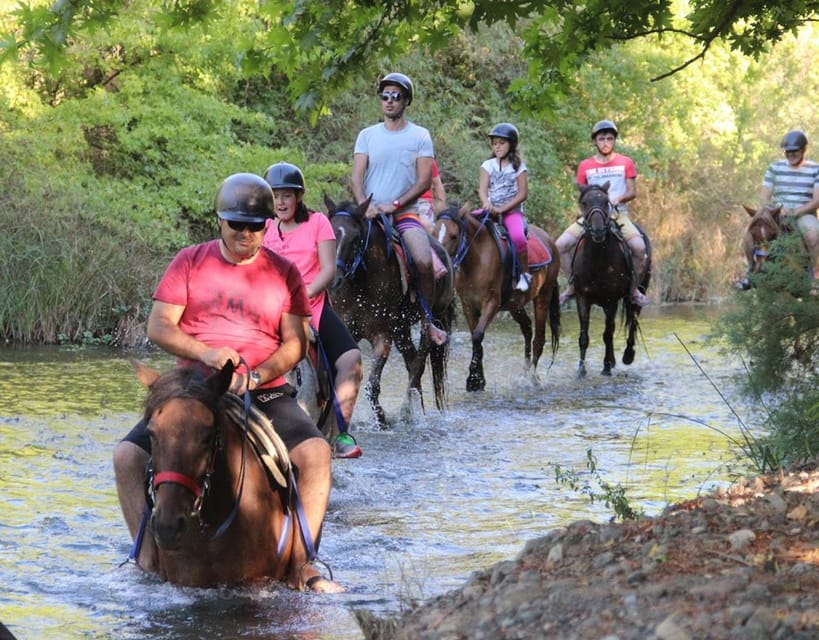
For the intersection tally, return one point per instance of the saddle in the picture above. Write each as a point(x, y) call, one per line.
point(264, 439)
point(439, 269)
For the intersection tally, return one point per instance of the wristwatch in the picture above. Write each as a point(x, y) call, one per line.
point(256, 377)
point(396, 204)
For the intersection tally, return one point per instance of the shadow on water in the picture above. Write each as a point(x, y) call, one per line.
point(431, 500)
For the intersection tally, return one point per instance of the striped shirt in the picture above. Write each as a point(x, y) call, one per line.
point(791, 187)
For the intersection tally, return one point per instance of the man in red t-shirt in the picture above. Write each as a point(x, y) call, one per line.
point(233, 299)
point(618, 170)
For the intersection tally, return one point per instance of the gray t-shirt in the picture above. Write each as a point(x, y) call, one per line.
point(391, 160)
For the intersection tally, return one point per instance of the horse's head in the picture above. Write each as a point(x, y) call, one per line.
point(595, 209)
point(765, 225)
point(181, 414)
point(449, 228)
point(349, 225)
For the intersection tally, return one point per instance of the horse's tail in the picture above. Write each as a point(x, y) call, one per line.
point(439, 356)
point(554, 319)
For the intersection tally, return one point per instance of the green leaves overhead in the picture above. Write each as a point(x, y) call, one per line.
point(320, 46)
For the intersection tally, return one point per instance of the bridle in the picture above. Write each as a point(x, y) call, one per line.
point(596, 218)
point(349, 268)
point(464, 242)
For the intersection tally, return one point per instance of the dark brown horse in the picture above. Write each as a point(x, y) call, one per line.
point(765, 226)
point(603, 275)
point(483, 280)
point(369, 294)
point(216, 516)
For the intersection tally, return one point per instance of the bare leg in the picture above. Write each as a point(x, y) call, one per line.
point(565, 246)
point(638, 252)
point(348, 382)
point(312, 457)
point(417, 241)
point(129, 470)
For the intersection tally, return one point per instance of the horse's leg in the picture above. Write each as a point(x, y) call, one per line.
point(541, 311)
point(476, 381)
point(608, 339)
point(520, 316)
point(631, 321)
point(415, 360)
point(583, 311)
point(372, 390)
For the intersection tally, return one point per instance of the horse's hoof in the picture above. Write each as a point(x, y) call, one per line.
point(628, 356)
point(475, 385)
point(606, 372)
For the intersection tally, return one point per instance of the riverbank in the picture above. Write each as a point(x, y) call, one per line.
point(740, 563)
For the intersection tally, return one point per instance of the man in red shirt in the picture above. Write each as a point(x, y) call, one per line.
point(619, 171)
point(232, 299)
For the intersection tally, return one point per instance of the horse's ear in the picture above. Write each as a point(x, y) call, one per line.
point(220, 381)
point(750, 211)
point(466, 208)
point(331, 206)
point(362, 208)
point(145, 374)
point(605, 186)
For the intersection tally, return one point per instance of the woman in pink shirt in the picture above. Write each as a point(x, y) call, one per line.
point(306, 238)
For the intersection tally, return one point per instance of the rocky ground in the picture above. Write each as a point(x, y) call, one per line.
point(743, 563)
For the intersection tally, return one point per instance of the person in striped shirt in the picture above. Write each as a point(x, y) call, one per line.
point(793, 183)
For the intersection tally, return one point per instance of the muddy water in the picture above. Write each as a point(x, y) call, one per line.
point(432, 499)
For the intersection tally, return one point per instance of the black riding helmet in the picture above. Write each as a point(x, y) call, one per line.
point(603, 125)
point(794, 140)
point(244, 197)
point(400, 80)
point(284, 175)
point(506, 131)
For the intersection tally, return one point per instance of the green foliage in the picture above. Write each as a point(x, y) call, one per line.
point(776, 327)
point(597, 489)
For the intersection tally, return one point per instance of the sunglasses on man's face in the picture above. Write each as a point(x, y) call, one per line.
point(395, 96)
point(253, 227)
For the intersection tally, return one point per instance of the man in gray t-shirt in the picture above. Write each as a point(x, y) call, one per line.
point(392, 162)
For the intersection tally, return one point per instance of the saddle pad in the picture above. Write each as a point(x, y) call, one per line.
point(539, 254)
point(261, 434)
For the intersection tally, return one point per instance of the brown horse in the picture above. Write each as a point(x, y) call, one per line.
point(765, 226)
point(603, 274)
point(369, 294)
point(483, 280)
point(216, 516)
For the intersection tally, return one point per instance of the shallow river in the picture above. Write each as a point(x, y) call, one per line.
point(434, 498)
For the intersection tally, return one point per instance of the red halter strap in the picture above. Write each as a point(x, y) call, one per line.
point(177, 478)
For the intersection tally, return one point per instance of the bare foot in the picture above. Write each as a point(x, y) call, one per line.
point(438, 336)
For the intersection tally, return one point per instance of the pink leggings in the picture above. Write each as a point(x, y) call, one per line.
point(513, 221)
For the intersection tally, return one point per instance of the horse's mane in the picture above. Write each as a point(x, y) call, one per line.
point(187, 382)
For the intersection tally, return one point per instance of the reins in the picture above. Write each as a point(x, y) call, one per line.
point(464, 244)
point(349, 270)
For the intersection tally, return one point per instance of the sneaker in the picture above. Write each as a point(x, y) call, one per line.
point(523, 282)
point(344, 446)
point(567, 295)
point(639, 298)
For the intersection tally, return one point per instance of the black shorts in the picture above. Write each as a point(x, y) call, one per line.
point(334, 335)
point(279, 404)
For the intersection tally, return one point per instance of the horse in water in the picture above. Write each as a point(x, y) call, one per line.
point(603, 274)
point(483, 261)
point(219, 513)
point(371, 295)
point(766, 225)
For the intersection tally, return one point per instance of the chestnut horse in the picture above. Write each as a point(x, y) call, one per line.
point(765, 226)
point(217, 516)
point(483, 280)
point(603, 274)
point(369, 294)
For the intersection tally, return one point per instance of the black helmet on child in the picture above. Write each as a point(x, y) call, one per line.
point(400, 80)
point(794, 140)
point(244, 197)
point(603, 125)
point(506, 131)
point(284, 175)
